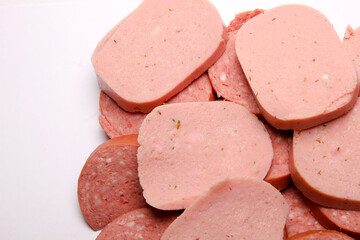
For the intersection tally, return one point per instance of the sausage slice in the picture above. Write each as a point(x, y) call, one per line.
point(296, 66)
point(321, 235)
point(324, 163)
point(238, 208)
point(108, 185)
point(157, 50)
point(187, 147)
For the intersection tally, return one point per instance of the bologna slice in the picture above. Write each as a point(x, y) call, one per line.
point(108, 184)
point(324, 163)
point(346, 221)
point(187, 147)
point(299, 218)
point(239, 208)
point(279, 174)
point(295, 64)
point(321, 235)
point(352, 45)
point(142, 223)
point(156, 51)
point(227, 76)
point(117, 122)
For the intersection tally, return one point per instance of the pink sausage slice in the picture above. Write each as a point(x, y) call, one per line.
point(279, 174)
point(227, 76)
point(295, 64)
point(324, 163)
point(299, 218)
point(108, 184)
point(116, 122)
point(352, 45)
point(239, 208)
point(187, 147)
point(156, 51)
point(346, 221)
point(321, 235)
point(139, 224)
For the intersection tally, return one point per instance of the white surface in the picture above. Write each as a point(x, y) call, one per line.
point(49, 102)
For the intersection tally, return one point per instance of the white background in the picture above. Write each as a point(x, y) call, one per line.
point(49, 104)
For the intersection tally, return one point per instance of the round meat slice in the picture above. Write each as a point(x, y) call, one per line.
point(187, 147)
point(158, 50)
point(299, 218)
point(321, 235)
point(139, 224)
point(279, 174)
point(238, 208)
point(227, 76)
point(325, 162)
point(117, 122)
point(297, 67)
point(346, 221)
point(108, 184)
point(352, 45)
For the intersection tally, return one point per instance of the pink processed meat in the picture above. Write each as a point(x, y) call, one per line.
point(108, 184)
point(299, 219)
point(285, 55)
point(227, 76)
point(345, 221)
point(321, 235)
point(238, 208)
point(352, 45)
point(187, 147)
point(116, 122)
point(139, 224)
point(158, 50)
point(324, 162)
point(279, 174)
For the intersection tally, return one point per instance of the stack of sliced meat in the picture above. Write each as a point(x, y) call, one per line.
point(223, 160)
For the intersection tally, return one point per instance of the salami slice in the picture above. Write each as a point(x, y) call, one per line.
point(321, 235)
point(140, 224)
point(299, 219)
point(108, 184)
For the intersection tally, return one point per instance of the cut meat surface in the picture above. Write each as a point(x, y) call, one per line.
point(279, 174)
point(242, 18)
point(346, 221)
point(116, 122)
point(108, 184)
point(227, 76)
point(324, 163)
point(299, 218)
point(321, 235)
point(239, 208)
point(197, 145)
point(352, 45)
point(158, 50)
point(139, 224)
point(294, 67)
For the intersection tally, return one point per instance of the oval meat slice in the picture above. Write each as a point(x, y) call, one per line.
point(292, 56)
point(321, 235)
point(352, 45)
point(279, 174)
point(227, 76)
point(156, 51)
point(239, 208)
point(324, 163)
point(299, 218)
point(108, 184)
point(187, 147)
point(346, 221)
point(142, 223)
point(116, 122)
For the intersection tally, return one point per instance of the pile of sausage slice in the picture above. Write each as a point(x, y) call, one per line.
point(248, 131)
